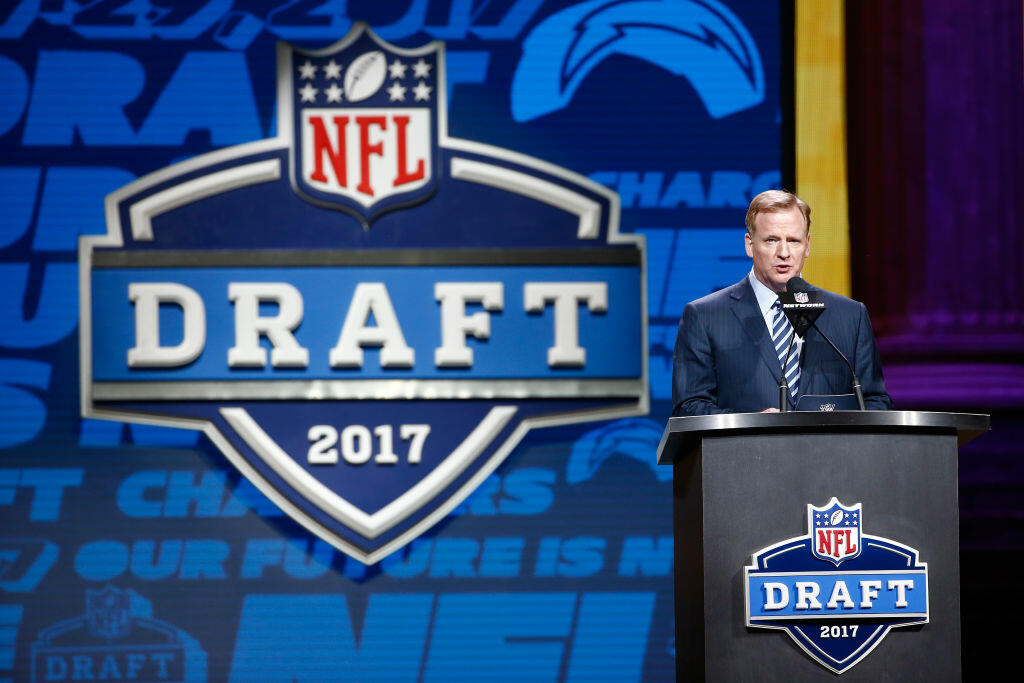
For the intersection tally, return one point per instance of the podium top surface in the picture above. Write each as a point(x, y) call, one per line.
point(681, 433)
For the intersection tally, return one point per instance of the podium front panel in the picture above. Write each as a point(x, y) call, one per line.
point(735, 495)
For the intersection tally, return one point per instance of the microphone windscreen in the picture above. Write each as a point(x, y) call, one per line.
point(797, 284)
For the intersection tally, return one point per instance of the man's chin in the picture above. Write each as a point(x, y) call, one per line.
point(779, 280)
point(773, 281)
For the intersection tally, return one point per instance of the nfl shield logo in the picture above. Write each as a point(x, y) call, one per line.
point(364, 115)
point(801, 297)
point(835, 531)
point(108, 613)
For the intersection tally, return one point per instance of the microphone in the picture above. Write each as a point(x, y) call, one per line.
point(802, 307)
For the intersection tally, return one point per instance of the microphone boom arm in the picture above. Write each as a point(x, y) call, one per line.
point(783, 384)
point(856, 382)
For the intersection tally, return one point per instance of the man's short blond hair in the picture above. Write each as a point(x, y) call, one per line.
point(771, 201)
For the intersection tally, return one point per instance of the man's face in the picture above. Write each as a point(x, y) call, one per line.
point(779, 245)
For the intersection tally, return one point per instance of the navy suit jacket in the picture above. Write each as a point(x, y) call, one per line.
point(725, 362)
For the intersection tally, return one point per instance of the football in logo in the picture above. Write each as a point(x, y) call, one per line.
point(365, 76)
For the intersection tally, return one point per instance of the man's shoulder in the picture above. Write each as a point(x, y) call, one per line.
point(833, 300)
point(720, 298)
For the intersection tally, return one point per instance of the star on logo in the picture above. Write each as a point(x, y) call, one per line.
point(422, 91)
point(421, 69)
point(397, 92)
point(397, 69)
point(332, 71)
point(308, 93)
point(307, 70)
point(333, 93)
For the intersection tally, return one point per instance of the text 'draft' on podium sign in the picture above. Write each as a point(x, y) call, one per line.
point(814, 544)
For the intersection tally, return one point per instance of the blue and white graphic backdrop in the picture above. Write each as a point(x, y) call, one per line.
point(135, 550)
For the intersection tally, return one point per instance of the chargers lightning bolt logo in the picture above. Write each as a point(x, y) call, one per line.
point(699, 39)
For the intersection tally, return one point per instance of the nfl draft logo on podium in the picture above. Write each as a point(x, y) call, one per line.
point(364, 314)
point(836, 591)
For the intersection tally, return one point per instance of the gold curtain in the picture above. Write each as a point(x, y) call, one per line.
point(820, 94)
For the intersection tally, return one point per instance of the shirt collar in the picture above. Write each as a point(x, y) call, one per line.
point(766, 298)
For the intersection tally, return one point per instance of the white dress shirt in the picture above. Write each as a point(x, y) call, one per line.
point(766, 298)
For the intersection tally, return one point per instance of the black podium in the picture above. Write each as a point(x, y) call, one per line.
point(743, 482)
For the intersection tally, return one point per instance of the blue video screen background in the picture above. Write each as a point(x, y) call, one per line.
point(559, 567)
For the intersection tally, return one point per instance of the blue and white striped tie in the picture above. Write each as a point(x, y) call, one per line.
point(782, 332)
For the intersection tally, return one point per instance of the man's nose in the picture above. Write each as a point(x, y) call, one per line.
point(783, 251)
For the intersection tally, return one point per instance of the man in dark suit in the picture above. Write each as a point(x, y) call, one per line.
point(731, 344)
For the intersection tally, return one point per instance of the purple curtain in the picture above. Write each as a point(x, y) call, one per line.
point(936, 154)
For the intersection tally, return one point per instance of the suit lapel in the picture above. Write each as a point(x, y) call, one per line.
point(749, 314)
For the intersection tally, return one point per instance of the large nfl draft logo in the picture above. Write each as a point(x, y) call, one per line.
point(836, 591)
point(362, 313)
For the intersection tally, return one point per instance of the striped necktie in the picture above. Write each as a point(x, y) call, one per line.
point(782, 332)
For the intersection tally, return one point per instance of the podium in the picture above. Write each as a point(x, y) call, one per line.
point(746, 482)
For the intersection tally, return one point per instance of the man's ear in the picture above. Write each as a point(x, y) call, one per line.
point(749, 244)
